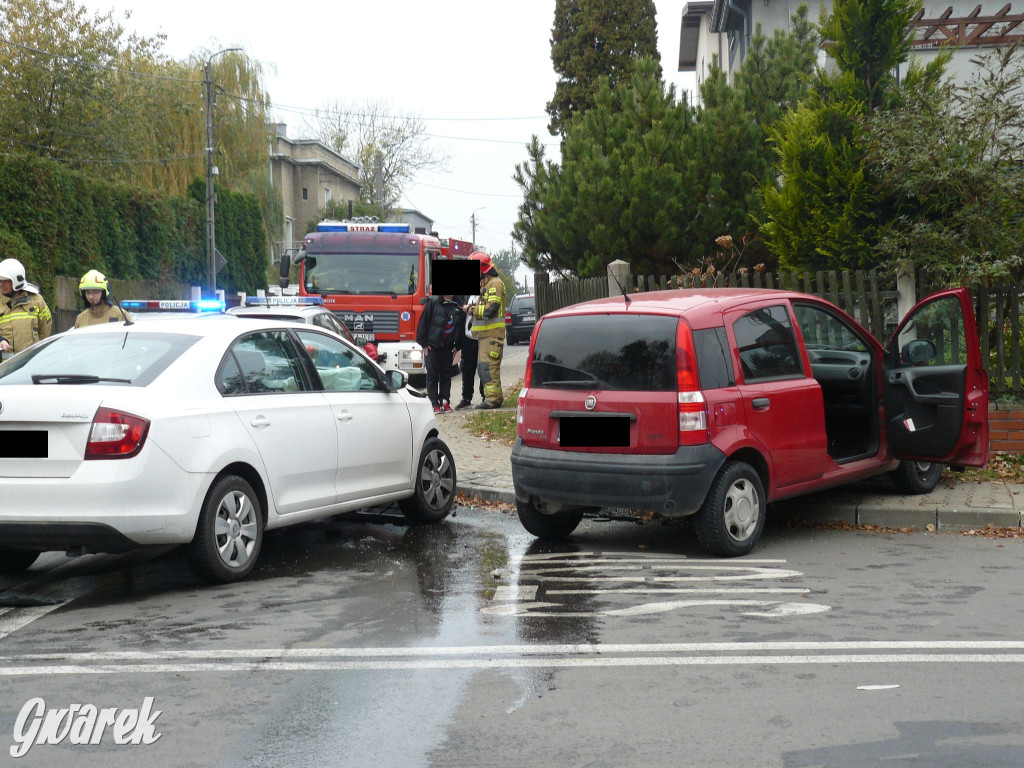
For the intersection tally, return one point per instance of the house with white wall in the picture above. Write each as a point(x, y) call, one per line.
point(723, 28)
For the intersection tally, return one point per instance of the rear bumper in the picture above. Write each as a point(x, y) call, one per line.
point(674, 484)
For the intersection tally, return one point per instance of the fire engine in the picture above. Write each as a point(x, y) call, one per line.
point(374, 276)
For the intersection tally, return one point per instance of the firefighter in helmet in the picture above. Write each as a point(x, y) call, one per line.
point(24, 316)
point(489, 330)
point(96, 298)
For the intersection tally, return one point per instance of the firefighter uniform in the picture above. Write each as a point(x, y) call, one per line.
point(489, 331)
point(24, 319)
point(104, 313)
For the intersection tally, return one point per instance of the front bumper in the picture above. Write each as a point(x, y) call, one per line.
point(674, 485)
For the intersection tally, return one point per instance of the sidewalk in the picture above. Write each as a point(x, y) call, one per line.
point(484, 473)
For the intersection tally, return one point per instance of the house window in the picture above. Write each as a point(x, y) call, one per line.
point(305, 193)
point(327, 197)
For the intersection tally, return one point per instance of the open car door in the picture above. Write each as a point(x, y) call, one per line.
point(935, 387)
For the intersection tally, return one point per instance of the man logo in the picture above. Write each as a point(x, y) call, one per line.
point(590, 403)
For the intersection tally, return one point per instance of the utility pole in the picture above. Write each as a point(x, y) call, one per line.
point(472, 221)
point(211, 173)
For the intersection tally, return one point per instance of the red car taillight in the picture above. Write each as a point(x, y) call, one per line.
point(520, 404)
point(116, 435)
point(693, 412)
point(508, 318)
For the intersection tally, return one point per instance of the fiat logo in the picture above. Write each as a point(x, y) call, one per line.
point(590, 403)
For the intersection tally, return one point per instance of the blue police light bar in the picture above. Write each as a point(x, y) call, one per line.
point(359, 226)
point(174, 305)
point(282, 301)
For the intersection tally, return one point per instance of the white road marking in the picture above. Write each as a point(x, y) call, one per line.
point(270, 660)
point(13, 619)
point(516, 592)
point(876, 687)
point(771, 608)
point(683, 591)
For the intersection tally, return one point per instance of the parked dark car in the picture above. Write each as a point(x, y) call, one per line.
point(520, 318)
point(712, 403)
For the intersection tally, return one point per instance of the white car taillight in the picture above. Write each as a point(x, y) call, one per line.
point(116, 435)
point(520, 404)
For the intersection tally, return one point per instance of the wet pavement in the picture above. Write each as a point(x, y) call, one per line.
point(485, 473)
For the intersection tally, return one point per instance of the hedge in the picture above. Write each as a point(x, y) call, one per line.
point(59, 221)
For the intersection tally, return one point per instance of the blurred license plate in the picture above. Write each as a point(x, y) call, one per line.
point(363, 338)
point(593, 432)
point(528, 318)
point(23, 444)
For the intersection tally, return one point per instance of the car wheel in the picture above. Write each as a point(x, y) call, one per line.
point(229, 533)
point(916, 477)
point(732, 517)
point(510, 339)
point(16, 560)
point(556, 526)
point(435, 485)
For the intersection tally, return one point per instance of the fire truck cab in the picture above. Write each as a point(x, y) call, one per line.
point(373, 276)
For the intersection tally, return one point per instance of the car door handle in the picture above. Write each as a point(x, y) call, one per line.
point(760, 403)
point(260, 422)
point(344, 416)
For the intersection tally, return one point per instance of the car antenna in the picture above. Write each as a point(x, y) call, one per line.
point(124, 315)
point(616, 279)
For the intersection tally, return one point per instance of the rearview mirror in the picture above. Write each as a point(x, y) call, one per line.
point(918, 352)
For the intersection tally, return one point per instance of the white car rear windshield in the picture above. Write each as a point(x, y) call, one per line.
point(131, 359)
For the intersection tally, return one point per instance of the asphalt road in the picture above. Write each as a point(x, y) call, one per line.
point(362, 642)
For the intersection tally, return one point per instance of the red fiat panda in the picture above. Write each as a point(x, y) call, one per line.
point(714, 402)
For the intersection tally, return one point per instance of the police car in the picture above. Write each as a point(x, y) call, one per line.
point(164, 309)
point(205, 433)
point(303, 309)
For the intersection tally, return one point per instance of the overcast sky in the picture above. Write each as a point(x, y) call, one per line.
point(477, 73)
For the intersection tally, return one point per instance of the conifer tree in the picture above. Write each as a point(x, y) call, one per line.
point(591, 39)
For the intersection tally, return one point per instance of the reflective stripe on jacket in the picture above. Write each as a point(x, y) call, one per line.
point(24, 320)
point(492, 293)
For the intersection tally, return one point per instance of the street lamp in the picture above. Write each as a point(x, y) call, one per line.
point(211, 172)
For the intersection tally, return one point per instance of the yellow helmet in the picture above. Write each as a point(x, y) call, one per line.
point(93, 280)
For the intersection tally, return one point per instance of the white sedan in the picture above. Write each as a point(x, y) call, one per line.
point(119, 436)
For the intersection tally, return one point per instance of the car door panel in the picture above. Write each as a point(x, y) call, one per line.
point(936, 403)
point(293, 428)
point(374, 437)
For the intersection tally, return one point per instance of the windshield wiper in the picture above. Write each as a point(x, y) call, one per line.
point(572, 383)
point(73, 378)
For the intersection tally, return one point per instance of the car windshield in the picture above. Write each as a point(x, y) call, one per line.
point(124, 358)
point(610, 352)
point(359, 273)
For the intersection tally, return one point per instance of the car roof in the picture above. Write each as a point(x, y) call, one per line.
point(286, 310)
point(213, 326)
point(702, 303)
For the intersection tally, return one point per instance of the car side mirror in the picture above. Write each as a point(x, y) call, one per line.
point(918, 352)
point(396, 380)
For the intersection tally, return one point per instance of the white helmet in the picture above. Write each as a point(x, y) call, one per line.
point(13, 270)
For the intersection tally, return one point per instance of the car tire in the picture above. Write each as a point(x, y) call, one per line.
point(556, 526)
point(14, 561)
point(229, 534)
point(731, 519)
point(435, 485)
point(916, 477)
point(510, 339)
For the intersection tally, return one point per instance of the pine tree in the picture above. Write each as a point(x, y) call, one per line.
point(594, 38)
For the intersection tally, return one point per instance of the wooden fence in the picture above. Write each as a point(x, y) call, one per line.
point(867, 297)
